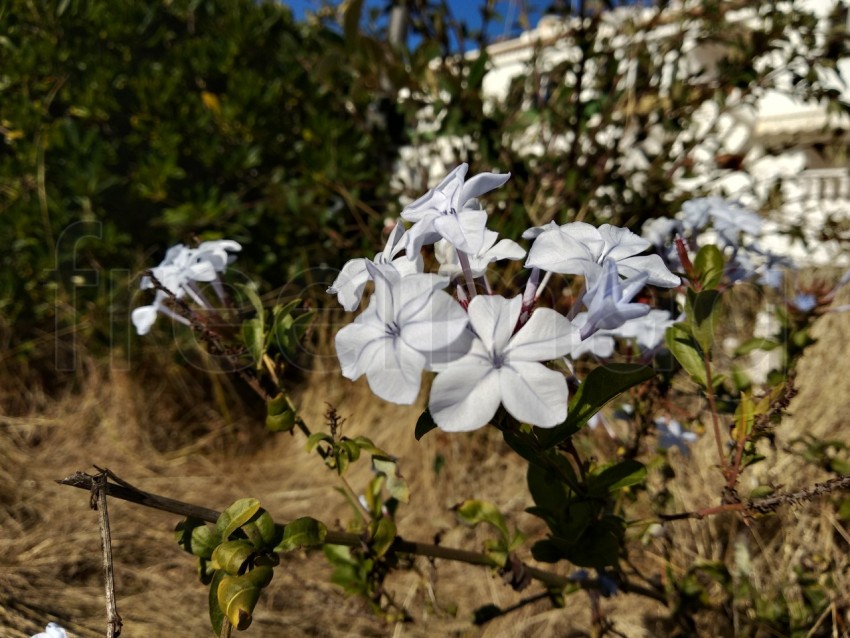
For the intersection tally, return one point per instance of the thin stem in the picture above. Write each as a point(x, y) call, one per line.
point(463, 258)
point(715, 419)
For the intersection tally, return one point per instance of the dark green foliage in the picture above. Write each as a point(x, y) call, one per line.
point(143, 124)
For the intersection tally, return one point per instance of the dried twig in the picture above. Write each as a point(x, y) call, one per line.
point(769, 503)
point(124, 491)
point(98, 502)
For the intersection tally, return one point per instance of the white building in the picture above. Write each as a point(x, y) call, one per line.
point(775, 138)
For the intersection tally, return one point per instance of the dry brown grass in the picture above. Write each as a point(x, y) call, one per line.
point(158, 433)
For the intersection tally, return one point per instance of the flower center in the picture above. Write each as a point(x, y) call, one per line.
point(498, 359)
point(393, 329)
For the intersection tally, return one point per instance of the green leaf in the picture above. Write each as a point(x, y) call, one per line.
point(318, 437)
point(302, 532)
point(232, 556)
point(216, 614)
point(473, 512)
point(601, 385)
point(366, 444)
point(703, 309)
point(709, 265)
point(279, 415)
point(383, 535)
point(424, 425)
point(615, 477)
point(262, 531)
point(238, 595)
point(236, 516)
point(254, 339)
point(548, 493)
point(686, 351)
point(281, 422)
point(194, 536)
point(396, 485)
point(250, 291)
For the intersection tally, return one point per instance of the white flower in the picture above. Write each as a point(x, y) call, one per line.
point(608, 300)
point(178, 272)
point(660, 231)
point(671, 434)
point(451, 211)
point(600, 343)
point(490, 251)
point(728, 219)
point(578, 248)
point(349, 284)
point(408, 322)
point(504, 368)
point(648, 330)
point(53, 630)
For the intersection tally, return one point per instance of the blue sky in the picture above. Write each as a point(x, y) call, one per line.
point(466, 10)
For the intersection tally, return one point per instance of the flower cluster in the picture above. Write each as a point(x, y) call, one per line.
point(735, 229)
point(488, 350)
point(179, 274)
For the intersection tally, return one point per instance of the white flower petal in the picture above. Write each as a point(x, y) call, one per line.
point(480, 184)
point(653, 266)
point(440, 324)
point(547, 335)
point(554, 251)
point(493, 318)
point(143, 318)
point(396, 373)
point(464, 230)
point(466, 395)
point(349, 283)
point(534, 394)
point(356, 345)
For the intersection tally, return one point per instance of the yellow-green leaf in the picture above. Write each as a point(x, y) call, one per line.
point(236, 516)
point(238, 595)
point(302, 532)
point(232, 556)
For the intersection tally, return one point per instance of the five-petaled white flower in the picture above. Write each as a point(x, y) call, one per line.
point(503, 367)
point(409, 325)
point(451, 211)
point(579, 248)
point(53, 630)
point(349, 284)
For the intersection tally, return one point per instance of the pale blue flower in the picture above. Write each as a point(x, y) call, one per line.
point(451, 212)
point(408, 321)
point(648, 330)
point(504, 367)
point(578, 248)
point(608, 301)
point(178, 274)
point(729, 219)
point(671, 434)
